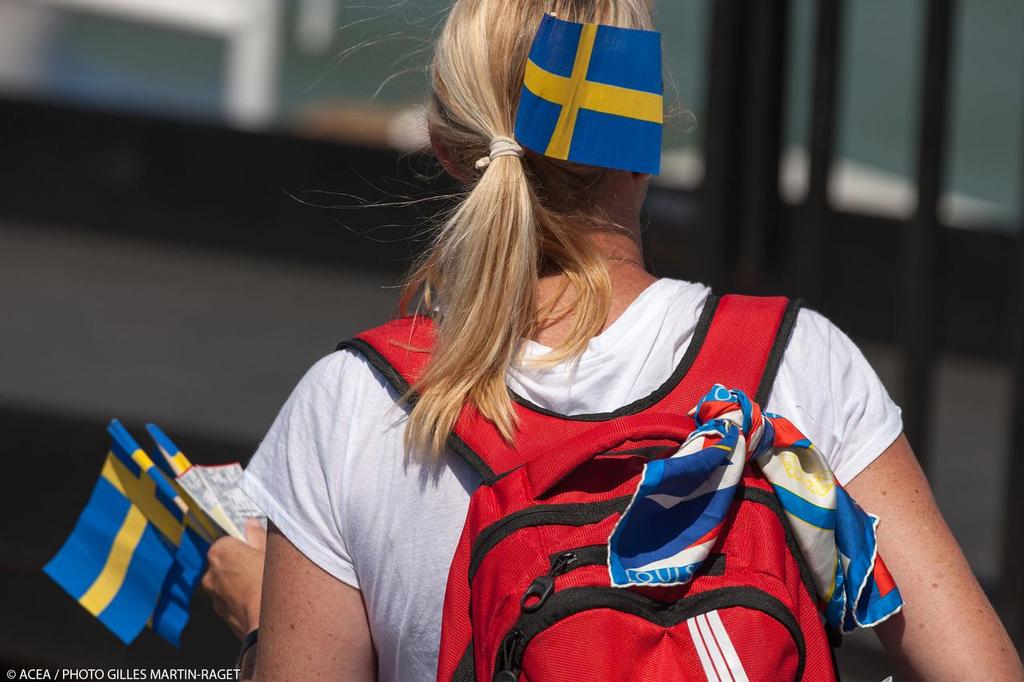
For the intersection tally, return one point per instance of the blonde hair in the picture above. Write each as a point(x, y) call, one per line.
point(518, 220)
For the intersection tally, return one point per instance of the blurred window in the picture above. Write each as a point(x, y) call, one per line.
point(341, 68)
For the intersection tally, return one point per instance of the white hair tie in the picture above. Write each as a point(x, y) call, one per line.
point(500, 146)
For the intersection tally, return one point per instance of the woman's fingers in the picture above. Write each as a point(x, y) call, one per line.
point(256, 534)
point(233, 580)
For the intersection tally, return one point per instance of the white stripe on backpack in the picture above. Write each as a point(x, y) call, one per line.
point(714, 648)
point(728, 651)
point(702, 651)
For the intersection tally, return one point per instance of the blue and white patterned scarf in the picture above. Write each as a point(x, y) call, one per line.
point(679, 508)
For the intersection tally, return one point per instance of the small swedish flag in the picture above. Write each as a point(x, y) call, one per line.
point(593, 94)
point(135, 554)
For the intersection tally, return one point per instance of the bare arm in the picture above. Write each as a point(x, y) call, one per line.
point(312, 625)
point(947, 629)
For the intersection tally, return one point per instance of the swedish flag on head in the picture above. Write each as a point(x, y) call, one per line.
point(592, 94)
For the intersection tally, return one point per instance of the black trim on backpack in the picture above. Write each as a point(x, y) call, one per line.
point(565, 603)
point(568, 514)
point(641, 404)
point(647, 451)
point(590, 555)
point(466, 670)
point(398, 382)
point(782, 336)
point(488, 475)
point(584, 513)
point(597, 555)
point(713, 565)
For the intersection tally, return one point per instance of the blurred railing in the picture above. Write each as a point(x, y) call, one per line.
point(742, 218)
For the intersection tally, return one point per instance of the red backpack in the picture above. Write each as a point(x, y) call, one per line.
point(529, 595)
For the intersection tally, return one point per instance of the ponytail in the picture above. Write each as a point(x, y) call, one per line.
point(519, 219)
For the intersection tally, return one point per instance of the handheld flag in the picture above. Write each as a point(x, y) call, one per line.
point(209, 515)
point(172, 609)
point(175, 460)
point(174, 464)
point(137, 550)
point(593, 94)
point(116, 559)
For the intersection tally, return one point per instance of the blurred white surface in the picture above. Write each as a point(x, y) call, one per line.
point(249, 27)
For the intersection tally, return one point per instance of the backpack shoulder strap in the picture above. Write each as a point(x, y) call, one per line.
point(740, 344)
point(743, 346)
point(400, 350)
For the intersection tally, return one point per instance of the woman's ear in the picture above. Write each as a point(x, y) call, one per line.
point(442, 156)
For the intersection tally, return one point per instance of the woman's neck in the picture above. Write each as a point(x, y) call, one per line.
point(622, 195)
point(624, 257)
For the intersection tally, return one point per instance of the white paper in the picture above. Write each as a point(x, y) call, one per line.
point(215, 489)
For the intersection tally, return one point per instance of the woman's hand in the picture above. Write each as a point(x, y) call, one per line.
point(234, 578)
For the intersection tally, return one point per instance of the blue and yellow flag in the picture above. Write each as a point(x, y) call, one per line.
point(172, 610)
point(174, 460)
point(170, 616)
point(117, 557)
point(173, 463)
point(135, 554)
point(593, 94)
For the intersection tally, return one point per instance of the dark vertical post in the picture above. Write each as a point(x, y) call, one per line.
point(812, 244)
point(921, 291)
point(722, 150)
point(1011, 588)
point(760, 241)
point(740, 202)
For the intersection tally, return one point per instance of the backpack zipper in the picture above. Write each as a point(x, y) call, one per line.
point(571, 514)
point(568, 602)
point(584, 513)
point(561, 563)
point(568, 560)
point(504, 672)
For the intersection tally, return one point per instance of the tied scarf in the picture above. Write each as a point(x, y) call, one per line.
point(680, 506)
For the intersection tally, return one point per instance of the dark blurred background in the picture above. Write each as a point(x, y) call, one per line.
point(199, 198)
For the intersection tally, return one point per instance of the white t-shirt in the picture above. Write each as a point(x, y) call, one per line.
point(332, 475)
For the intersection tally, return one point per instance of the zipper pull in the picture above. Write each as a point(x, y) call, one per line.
point(504, 670)
point(542, 588)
